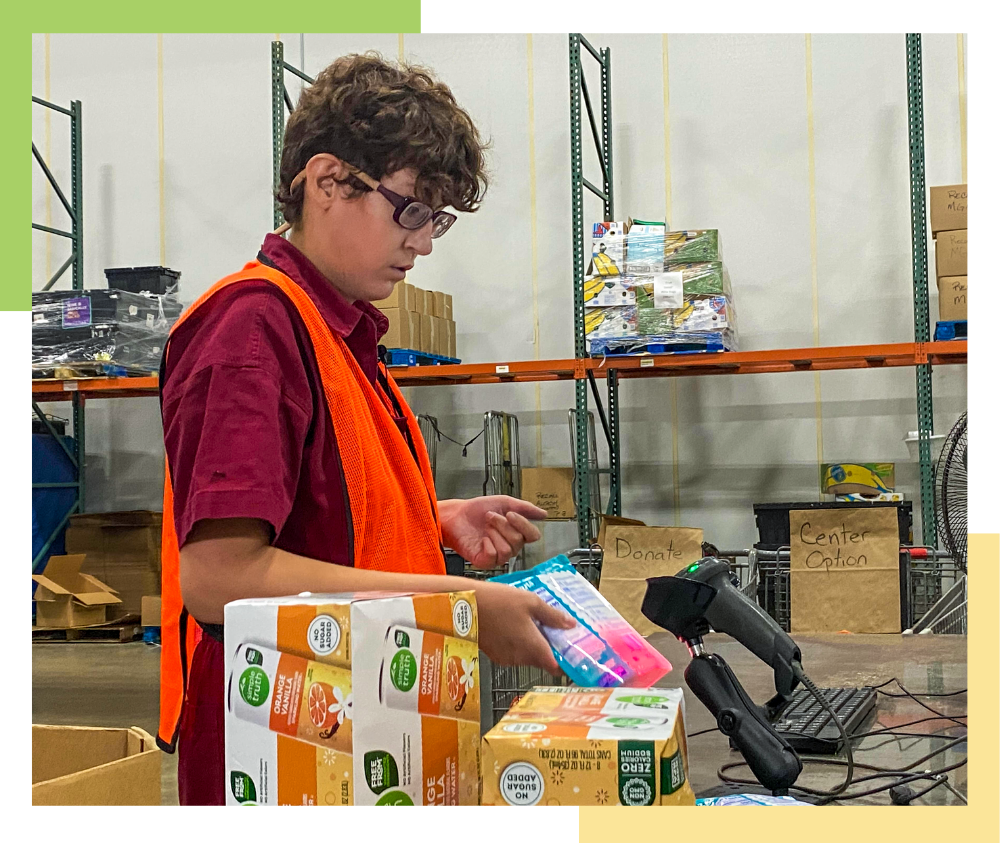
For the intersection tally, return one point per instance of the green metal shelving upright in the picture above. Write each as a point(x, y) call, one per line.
point(921, 315)
point(74, 208)
point(280, 100)
point(586, 518)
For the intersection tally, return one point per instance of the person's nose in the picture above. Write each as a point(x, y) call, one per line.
point(420, 240)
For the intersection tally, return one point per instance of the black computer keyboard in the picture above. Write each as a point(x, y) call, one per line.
point(807, 726)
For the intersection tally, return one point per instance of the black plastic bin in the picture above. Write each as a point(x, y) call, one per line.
point(773, 525)
point(158, 280)
point(58, 425)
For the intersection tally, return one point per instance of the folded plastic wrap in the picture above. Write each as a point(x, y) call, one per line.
point(92, 332)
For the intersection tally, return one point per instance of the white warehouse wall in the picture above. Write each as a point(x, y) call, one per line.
point(736, 113)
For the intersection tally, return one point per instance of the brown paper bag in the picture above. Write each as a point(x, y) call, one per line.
point(614, 521)
point(550, 489)
point(634, 553)
point(845, 570)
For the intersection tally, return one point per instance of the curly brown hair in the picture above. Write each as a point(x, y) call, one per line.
point(382, 117)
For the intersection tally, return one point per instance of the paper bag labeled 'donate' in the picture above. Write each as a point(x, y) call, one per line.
point(632, 554)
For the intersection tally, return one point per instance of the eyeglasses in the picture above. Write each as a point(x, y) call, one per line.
point(410, 213)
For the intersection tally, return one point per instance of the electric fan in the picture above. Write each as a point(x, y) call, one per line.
point(951, 492)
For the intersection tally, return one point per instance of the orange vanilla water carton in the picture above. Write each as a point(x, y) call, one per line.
point(358, 699)
point(589, 746)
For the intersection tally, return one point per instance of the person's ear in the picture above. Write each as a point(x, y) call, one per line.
point(327, 175)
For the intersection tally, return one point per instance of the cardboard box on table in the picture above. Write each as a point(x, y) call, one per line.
point(400, 725)
point(589, 746)
point(82, 765)
point(65, 598)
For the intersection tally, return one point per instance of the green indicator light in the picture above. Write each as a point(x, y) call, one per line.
point(692, 568)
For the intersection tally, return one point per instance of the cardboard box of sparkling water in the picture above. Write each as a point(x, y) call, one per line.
point(586, 746)
point(358, 699)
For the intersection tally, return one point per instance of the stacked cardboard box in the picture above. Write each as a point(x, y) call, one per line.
point(950, 227)
point(651, 286)
point(419, 320)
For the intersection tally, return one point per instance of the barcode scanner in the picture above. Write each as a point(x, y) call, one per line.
point(701, 598)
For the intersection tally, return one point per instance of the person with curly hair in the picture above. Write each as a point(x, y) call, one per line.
point(293, 461)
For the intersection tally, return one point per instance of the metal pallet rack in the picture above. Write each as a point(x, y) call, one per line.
point(610, 423)
point(74, 208)
point(920, 354)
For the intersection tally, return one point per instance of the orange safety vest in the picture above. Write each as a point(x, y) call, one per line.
point(393, 506)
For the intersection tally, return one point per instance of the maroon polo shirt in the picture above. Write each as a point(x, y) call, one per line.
point(248, 435)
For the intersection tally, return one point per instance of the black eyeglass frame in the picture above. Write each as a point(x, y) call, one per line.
point(443, 220)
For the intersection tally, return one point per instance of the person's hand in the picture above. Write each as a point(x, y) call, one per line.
point(507, 630)
point(490, 530)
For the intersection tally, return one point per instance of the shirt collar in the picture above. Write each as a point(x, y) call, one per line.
point(341, 315)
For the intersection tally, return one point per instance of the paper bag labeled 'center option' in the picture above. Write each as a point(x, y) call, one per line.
point(632, 554)
point(845, 570)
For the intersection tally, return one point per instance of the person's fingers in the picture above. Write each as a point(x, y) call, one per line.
point(487, 556)
point(551, 616)
point(503, 548)
point(528, 510)
point(530, 532)
point(507, 530)
point(541, 654)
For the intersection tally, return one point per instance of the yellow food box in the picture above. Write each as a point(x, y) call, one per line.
point(357, 699)
point(587, 746)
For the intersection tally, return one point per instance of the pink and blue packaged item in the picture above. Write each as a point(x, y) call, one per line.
point(603, 650)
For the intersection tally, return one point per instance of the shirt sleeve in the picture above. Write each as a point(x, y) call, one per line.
point(236, 412)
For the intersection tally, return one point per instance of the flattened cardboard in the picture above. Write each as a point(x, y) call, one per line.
point(845, 570)
point(550, 489)
point(81, 765)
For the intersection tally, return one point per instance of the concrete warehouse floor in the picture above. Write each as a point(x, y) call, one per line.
point(108, 685)
point(100, 685)
point(118, 685)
